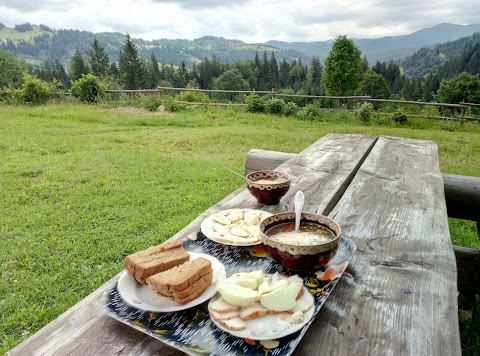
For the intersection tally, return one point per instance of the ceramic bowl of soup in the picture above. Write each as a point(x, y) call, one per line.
point(268, 187)
point(311, 247)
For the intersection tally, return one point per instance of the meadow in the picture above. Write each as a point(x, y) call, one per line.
point(82, 186)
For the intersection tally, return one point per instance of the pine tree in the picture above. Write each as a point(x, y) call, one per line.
point(98, 59)
point(131, 74)
point(314, 77)
point(182, 75)
point(77, 66)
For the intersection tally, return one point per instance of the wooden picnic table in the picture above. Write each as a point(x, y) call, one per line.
point(399, 293)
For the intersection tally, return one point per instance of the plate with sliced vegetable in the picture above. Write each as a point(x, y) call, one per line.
point(261, 306)
point(235, 227)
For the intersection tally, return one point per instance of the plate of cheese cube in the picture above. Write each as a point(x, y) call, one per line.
point(235, 227)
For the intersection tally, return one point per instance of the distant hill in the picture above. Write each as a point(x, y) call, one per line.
point(430, 59)
point(39, 43)
point(386, 48)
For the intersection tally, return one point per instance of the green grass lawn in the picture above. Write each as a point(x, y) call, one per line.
point(83, 186)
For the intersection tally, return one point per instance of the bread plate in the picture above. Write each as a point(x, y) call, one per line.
point(143, 297)
point(270, 326)
point(209, 224)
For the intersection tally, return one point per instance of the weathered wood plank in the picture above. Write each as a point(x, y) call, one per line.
point(463, 196)
point(322, 171)
point(462, 193)
point(468, 267)
point(402, 297)
point(258, 160)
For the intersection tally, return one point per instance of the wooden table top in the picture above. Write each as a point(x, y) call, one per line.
point(399, 293)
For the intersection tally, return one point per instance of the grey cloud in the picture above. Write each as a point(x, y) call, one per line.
point(31, 6)
point(203, 4)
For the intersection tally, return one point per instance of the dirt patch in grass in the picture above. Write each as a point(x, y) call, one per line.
point(140, 111)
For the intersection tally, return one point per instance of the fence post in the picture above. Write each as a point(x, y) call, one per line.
point(462, 110)
point(272, 95)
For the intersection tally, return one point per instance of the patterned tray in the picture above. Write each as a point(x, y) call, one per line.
point(193, 332)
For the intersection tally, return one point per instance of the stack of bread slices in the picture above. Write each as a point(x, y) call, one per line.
point(169, 271)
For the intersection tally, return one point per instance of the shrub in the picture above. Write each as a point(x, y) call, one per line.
point(310, 112)
point(290, 109)
point(275, 106)
point(254, 103)
point(11, 96)
point(194, 97)
point(150, 102)
point(364, 112)
point(89, 88)
point(35, 91)
point(430, 112)
point(171, 104)
point(382, 120)
point(399, 117)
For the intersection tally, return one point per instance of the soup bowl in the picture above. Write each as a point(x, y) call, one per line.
point(313, 247)
point(268, 187)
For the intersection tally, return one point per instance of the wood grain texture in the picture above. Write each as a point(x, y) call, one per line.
point(397, 299)
point(468, 266)
point(402, 297)
point(463, 196)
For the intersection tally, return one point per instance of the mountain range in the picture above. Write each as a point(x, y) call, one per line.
point(39, 43)
point(387, 48)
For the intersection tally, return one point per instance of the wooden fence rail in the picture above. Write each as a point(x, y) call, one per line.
point(462, 106)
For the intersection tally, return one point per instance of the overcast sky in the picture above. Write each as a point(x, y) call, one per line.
point(247, 20)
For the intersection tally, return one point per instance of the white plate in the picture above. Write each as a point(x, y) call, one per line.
point(143, 297)
point(269, 327)
point(207, 227)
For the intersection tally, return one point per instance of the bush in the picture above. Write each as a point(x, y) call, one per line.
point(399, 117)
point(11, 96)
point(382, 120)
point(254, 103)
point(310, 112)
point(150, 102)
point(364, 112)
point(275, 106)
point(430, 112)
point(290, 109)
point(171, 104)
point(35, 91)
point(89, 88)
point(194, 97)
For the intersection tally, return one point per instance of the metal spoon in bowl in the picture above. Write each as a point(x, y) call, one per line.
point(299, 200)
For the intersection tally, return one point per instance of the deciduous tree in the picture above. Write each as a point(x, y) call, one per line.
point(375, 85)
point(463, 87)
point(11, 70)
point(343, 67)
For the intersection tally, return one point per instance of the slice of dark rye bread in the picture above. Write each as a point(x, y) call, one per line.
point(178, 282)
point(191, 292)
point(143, 264)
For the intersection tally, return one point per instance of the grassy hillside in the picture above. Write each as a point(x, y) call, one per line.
point(36, 46)
point(83, 186)
point(8, 33)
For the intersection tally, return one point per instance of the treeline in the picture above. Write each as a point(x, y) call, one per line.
point(61, 44)
point(263, 72)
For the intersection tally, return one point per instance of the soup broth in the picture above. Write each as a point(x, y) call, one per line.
point(270, 180)
point(308, 234)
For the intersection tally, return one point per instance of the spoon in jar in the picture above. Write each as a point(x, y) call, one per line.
point(238, 174)
point(299, 200)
